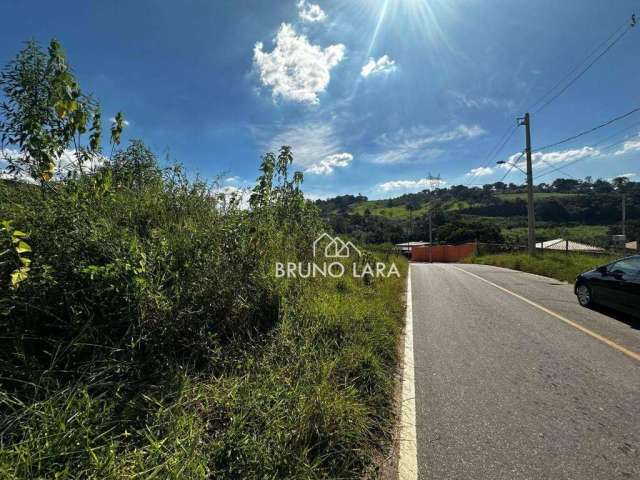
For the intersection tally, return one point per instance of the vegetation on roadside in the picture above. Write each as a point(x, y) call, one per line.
point(558, 265)
point(588, 234)
point(144, 331)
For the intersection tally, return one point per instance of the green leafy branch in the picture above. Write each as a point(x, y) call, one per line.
point(19, 248)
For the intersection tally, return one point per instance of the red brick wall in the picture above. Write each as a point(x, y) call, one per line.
point(443, 253)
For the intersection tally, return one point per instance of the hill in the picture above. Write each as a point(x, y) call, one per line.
point(579, 210)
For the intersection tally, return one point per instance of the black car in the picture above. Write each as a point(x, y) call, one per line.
point(616, 285)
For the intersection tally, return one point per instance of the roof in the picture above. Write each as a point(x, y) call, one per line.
point(561, 244)
point(407, 246)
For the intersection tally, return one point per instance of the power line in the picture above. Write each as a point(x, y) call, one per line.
point(559, 168)
point(586, 69)
point(501, 144)
point(598, 143)
point(586, 132)
point(513, 164)
point(624, 140)
point(576, 67)
point(493, 153)
point(616, 36)
point(609, 137)
point(547, 172)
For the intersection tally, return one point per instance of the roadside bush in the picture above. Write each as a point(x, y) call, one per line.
point(557, 265)
point(144, 332)
point(151, 337)
point(146, 266)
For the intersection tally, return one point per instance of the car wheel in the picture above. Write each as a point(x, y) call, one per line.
point(584, 295)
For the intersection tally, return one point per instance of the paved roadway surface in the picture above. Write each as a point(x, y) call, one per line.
point(507, 391)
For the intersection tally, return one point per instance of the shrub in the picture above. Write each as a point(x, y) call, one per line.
point(149, 336)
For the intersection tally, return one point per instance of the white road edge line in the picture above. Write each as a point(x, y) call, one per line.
point(408, 454)
point(575, 325)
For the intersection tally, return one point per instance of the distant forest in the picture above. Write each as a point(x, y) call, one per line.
point(585, 210)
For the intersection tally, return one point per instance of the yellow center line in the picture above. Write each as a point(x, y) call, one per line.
point(591, 333)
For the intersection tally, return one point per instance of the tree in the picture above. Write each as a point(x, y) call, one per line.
point(44, 112)
point(458, 232)
point(411, 208)
point(135, 166)
point(620, 183)
point(602, 186)
point(566, 185)
point(551, 210)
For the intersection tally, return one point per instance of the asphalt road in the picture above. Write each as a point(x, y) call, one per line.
point(504, 390)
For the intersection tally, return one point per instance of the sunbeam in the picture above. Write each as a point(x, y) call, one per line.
point(381, 17)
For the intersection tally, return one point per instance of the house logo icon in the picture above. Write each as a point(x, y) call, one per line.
point(334, 247)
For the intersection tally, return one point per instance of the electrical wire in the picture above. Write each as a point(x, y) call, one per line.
point(614, 135)
point(493, 153)
point(513, 164)
point(586, 132)
point(616, 36)
point(597, 144)
point(547, 172)
point(587, 68)
point(576, 67)
point(559, 168)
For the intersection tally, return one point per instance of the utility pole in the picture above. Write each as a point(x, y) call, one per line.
point(624, 216)
point(531, 219)
point(430, 237)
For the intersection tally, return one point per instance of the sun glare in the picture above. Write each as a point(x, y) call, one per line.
point(422, 19)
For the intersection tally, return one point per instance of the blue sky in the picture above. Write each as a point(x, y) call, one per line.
point(373, 95)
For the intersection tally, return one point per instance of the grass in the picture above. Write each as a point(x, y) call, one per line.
point(151, 338)
point(312, 400)
point(380, 208)
point(556, 265)
point(589, 234)
point(537, 195)
point(144, 330)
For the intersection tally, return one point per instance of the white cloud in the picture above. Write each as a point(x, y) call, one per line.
point(417, 143)
point(230, 194)
point(327, 165)
point(628, 175)
point(384, 65)
point(231, 190)
point(296, 70)
point(5, 156)
point(311, 143)
point(630, 146)
point(310, 12)
point(480, 171)
point(411, 185)
point(318, 196)
point(316, 147)
point(126, 123)
point(481, 101)
point(542, 160)
point(64, 165)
